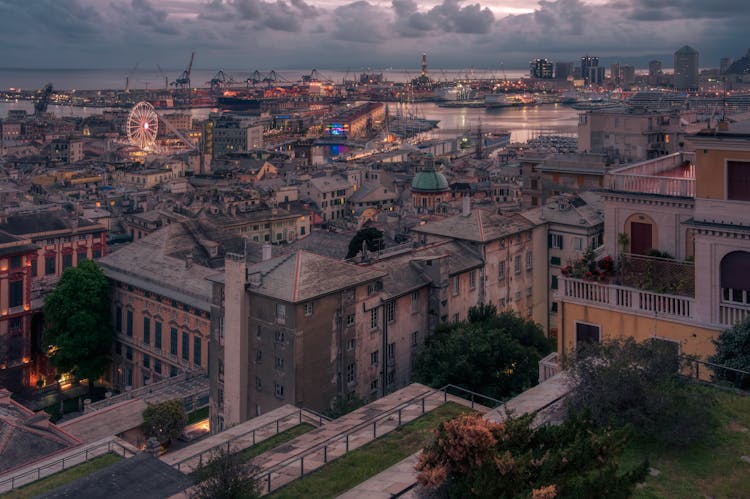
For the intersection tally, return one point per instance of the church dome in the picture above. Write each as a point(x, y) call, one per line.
point(429, 180)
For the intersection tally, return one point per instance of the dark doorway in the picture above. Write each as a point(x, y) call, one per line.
point(640, 238)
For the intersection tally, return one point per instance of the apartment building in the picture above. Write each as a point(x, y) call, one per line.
point(506, 246)
point(329, 193)
point(568, 225)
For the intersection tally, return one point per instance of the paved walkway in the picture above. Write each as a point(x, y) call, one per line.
point(113, 420)
point(313, 450)
point(239, 437)
point(401, 475)
point(123, 415)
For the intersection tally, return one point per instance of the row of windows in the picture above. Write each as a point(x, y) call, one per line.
point(148, 362)
point(157, 336)
point(278, 388)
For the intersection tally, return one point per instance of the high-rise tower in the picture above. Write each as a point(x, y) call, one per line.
point(686, 68)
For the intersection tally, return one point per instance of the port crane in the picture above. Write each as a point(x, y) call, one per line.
point(184, 80)
point(40, 106)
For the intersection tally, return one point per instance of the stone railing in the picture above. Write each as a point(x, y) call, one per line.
point(626, 299)
point(548, 367)
point(732, 313)
point(657, 176)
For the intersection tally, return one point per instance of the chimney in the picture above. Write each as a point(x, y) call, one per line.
point(466, 206)
point(267, 251)
point(188, 261)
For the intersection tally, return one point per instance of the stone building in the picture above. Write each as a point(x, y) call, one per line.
point(286, 331)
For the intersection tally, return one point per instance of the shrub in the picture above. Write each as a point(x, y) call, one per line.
point(473, 457)
point(630, 383)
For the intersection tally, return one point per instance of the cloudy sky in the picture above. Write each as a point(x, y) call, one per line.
point(262, 34)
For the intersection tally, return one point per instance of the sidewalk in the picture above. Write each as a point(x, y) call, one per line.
point(241, 437)
point(402, 475)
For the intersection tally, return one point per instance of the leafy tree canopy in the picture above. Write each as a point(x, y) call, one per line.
point(624, 382)
point(225, 475)
point(164, 420)
point(79, 326)
point(495, 355)
point(733, 350)
point(371, 236)
point(473, 457)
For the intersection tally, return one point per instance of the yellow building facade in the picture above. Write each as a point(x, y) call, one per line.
point(696, 209)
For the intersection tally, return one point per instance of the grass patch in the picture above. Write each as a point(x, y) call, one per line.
point(275, 441)
point(198, 415)
point(711, 468)
point(367, 461)
point(58, 479)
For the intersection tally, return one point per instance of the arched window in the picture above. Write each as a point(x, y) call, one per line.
point(735, 277)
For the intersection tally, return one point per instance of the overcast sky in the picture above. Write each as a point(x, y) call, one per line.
point(261, 34)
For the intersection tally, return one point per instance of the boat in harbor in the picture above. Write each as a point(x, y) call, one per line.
point(496, 139)
point(246, 104)
point(493, 101)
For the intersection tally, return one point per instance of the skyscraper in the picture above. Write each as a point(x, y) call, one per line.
point(590, 71)
point(541, 68)
point(686, 68)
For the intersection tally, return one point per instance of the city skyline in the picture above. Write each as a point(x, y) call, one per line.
point(375, 33)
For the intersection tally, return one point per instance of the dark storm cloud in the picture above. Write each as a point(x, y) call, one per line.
point(448, 17)
point(360, 22)
point(279, 15)
point(654, 10)
point(277, 33)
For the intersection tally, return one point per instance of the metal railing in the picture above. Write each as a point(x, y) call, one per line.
point(297, 418)
point(394, 418)
point(147, 389)
point(715, 374)
point(66, 462)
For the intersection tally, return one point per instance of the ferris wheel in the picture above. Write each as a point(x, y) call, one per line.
point(142, 125)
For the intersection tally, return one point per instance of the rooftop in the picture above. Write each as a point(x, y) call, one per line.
point(302, 276)
point(141, 476)
point(479, 226)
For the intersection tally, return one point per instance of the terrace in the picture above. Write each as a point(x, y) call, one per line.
point(672, 175)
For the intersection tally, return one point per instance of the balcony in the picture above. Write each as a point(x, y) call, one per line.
point(661, 275)
point(626, 299)
point(732, 313)
point(672, 175)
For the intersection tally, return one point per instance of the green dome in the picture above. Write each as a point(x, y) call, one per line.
point(429, 181)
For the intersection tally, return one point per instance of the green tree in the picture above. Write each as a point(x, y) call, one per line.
point(225, 475)
point(371, 236)
point(495, 355)
point(733, 350)
point(630, 383)
point(79, 326)
point(473, 457)
point(164, 420)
